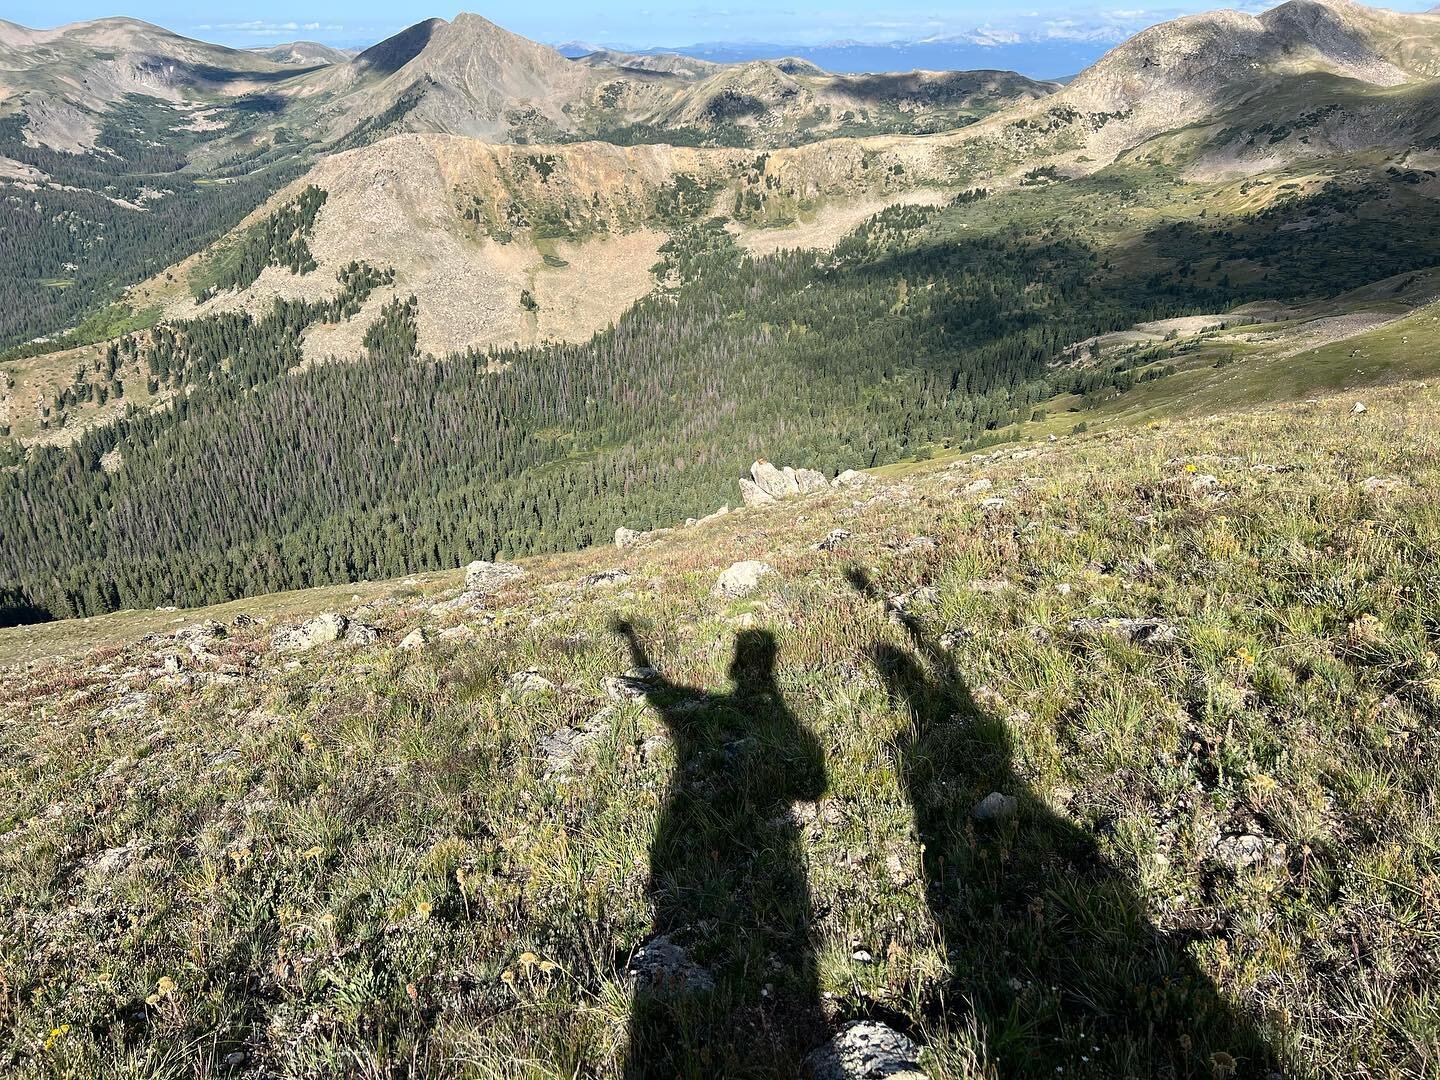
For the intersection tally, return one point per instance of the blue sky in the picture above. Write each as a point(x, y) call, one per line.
point(638, 23)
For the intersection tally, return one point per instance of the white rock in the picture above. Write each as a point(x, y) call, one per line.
point(416, 639)
point(977, 486)
point(487, 577)
point(777, 483)
point(626, 537)
point(808, 480)
point(1357, 409)
point(321, 630)
point(530, 682)
point(742, 578)
point(751, 494)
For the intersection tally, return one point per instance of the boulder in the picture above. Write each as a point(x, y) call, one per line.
point(634, 685)
point(867, 1050)
point(850, 478)
point(996, 806)
point(741, 579)
point(751, 494)
point(777, 483)
point(484, 578)
point(321, 630)
point(626, 537)
point(807, 480)
point(562, 751)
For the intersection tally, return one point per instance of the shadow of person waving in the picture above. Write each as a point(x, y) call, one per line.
point(1051, 957)
point(725, 985)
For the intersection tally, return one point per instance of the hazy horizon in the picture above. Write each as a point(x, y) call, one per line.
point(350, 25)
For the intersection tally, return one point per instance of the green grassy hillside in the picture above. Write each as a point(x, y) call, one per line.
point(1198, 654)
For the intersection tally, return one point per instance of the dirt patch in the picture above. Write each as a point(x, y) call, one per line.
point(830, 224)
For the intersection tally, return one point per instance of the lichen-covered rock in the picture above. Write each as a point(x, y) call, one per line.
point(484, 578)
point(626, 537)
point(661, 965)
point(752, 494)
point(807, 480)
point(321, 630)
point(867, 1050)
point(416, 639)
point(359, 633)
point(742, 578)
point(777, 483)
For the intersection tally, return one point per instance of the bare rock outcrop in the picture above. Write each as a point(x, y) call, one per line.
point(768, 482)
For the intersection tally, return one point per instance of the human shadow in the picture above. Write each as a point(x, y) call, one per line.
point(725, 984)
point(1052, 961)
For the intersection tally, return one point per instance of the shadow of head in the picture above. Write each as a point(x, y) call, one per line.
point(754, 664)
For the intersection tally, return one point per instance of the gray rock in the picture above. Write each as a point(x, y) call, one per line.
point(634, 685)
point(359, 633)
point(995, 807)
point(563, 749)
point(321, 630)
point(626, 537)
point(808, 480)
point(777, 483)
point(114, 859)
point(833, 539)
point(1139, 631)
point(661, 965)
point(975, 487)
point(1247, 850)
point(742, 579)
point(716, 516)
point(867, 1050)
point(484, 578)
point(751, 494)
point(850, 478)
point(523, 683)
point(416, 639)
point(605, 577)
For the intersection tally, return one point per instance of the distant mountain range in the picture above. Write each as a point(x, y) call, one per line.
point(1039, 58)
